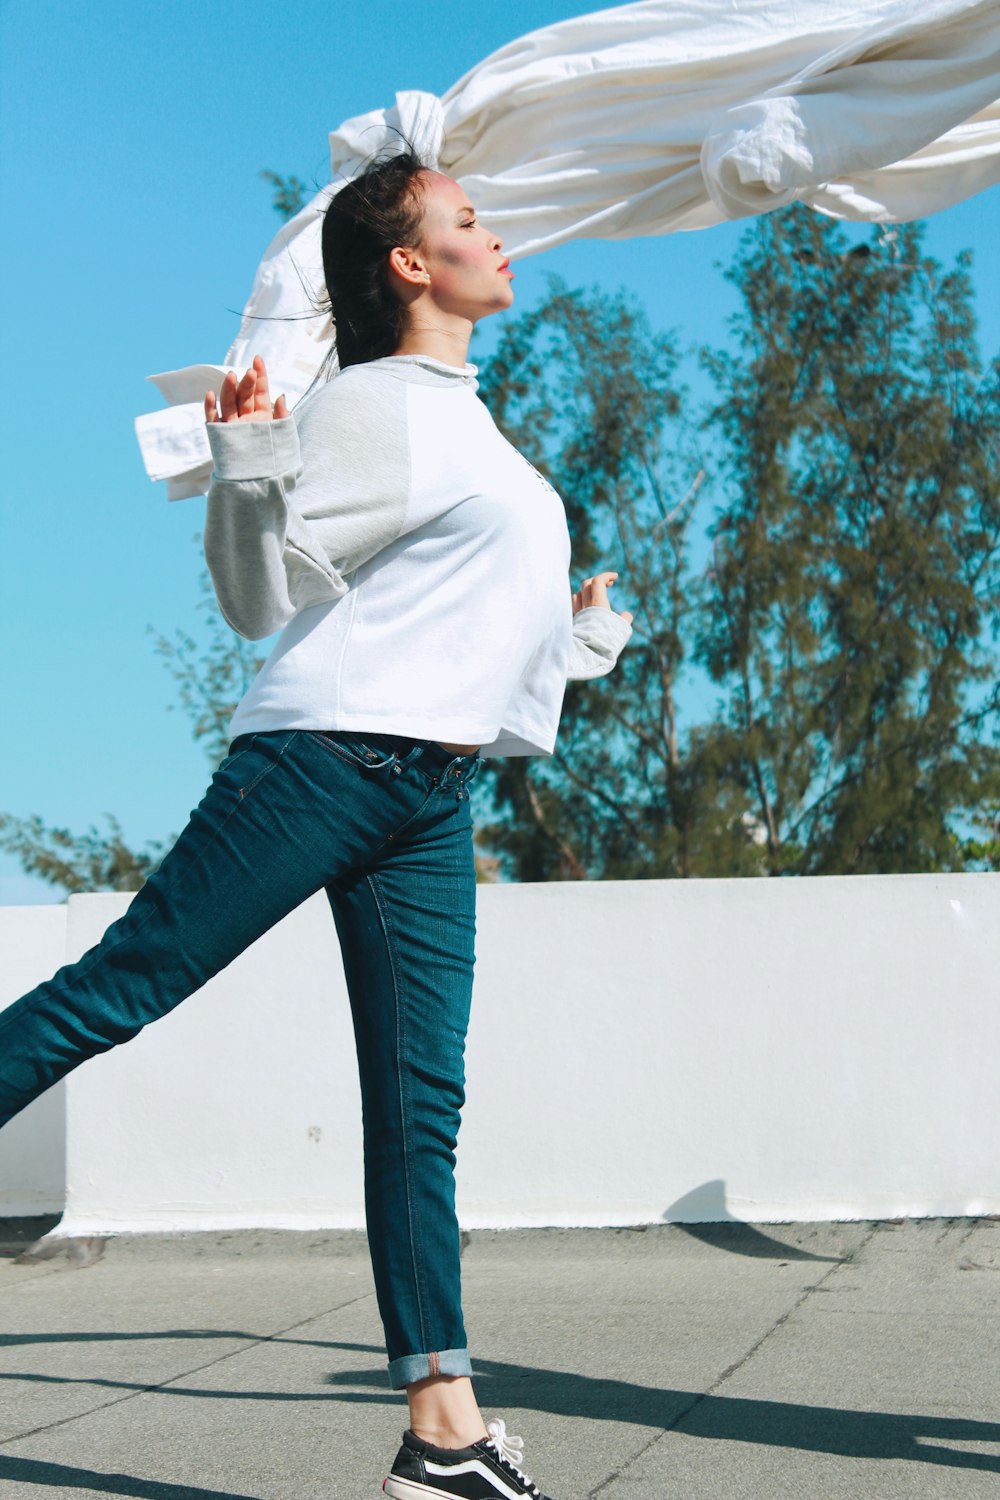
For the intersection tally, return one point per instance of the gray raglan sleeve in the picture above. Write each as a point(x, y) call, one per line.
point(296, 505)
point(599, 637)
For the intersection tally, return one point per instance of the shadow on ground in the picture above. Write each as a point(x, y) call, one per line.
point(778, 1424)
point(65, 1479)
point(702, 1213)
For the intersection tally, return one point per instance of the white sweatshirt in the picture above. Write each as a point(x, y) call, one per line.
point(417, 562)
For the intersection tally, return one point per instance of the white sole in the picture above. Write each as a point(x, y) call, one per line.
point(403, 1489)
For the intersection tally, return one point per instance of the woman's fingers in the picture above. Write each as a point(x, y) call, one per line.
point(246, 400)
point(227, 397)
point(599, 586)
point(261, 394)
point(593, 593)
point(246, 393)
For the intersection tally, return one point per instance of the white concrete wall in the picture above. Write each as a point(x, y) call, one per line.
point(32, 1146)
point(640, 1051)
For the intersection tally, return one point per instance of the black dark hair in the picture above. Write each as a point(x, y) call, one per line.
point(364, 221)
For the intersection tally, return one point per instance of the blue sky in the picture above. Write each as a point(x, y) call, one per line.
point(133, 139)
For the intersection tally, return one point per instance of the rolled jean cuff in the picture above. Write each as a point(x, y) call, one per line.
point(413, 1367)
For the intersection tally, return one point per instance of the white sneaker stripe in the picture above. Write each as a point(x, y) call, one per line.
point(473, 1466)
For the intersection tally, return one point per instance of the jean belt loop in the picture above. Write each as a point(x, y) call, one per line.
point(474, 770)
point(406, 758)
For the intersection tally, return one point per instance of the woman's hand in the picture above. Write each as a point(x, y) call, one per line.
point(595, 592)
point(247, 400)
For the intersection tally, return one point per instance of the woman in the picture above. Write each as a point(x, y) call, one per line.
point(416, 565)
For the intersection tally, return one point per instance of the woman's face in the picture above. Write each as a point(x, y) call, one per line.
point(467, 272)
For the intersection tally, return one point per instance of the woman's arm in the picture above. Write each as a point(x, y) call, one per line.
point(599, 634)
point(280, 534)
point(261, 577)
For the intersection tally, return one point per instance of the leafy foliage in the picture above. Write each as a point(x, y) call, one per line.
point(288, 193)
point(848, 614)
point(91, 861)
point(852, 616)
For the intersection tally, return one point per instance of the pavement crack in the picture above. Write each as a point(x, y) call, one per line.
point(639, 1453)
point(162, 1385)
point(737, 1364)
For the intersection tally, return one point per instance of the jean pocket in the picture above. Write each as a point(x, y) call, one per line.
point(369, 752)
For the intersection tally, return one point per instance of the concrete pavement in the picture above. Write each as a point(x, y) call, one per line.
point(798, 1362)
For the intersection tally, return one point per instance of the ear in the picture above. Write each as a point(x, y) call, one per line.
point(407, 264)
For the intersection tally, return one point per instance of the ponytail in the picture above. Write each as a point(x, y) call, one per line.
point(365, 221)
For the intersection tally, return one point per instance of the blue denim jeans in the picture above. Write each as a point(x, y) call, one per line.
point(383, 824)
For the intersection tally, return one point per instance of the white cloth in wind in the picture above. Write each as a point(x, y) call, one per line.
point(640, 120)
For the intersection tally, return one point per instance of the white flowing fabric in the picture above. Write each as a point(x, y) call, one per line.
point(645, 119)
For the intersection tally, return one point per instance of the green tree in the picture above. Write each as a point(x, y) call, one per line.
point(288, 193)
point(848, 615)
point(852, 616)
point(91, 861)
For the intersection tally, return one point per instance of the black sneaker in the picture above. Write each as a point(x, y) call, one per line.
point(488, 1470)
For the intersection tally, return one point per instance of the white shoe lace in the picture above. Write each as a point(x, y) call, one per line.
point(511, 1449)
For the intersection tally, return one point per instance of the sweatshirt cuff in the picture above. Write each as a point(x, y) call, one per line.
point(254, 450)
point(602, 630)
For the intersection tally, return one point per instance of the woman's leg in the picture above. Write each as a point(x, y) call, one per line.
point(407, 931)
point(284, 813)
point(444, 1411)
